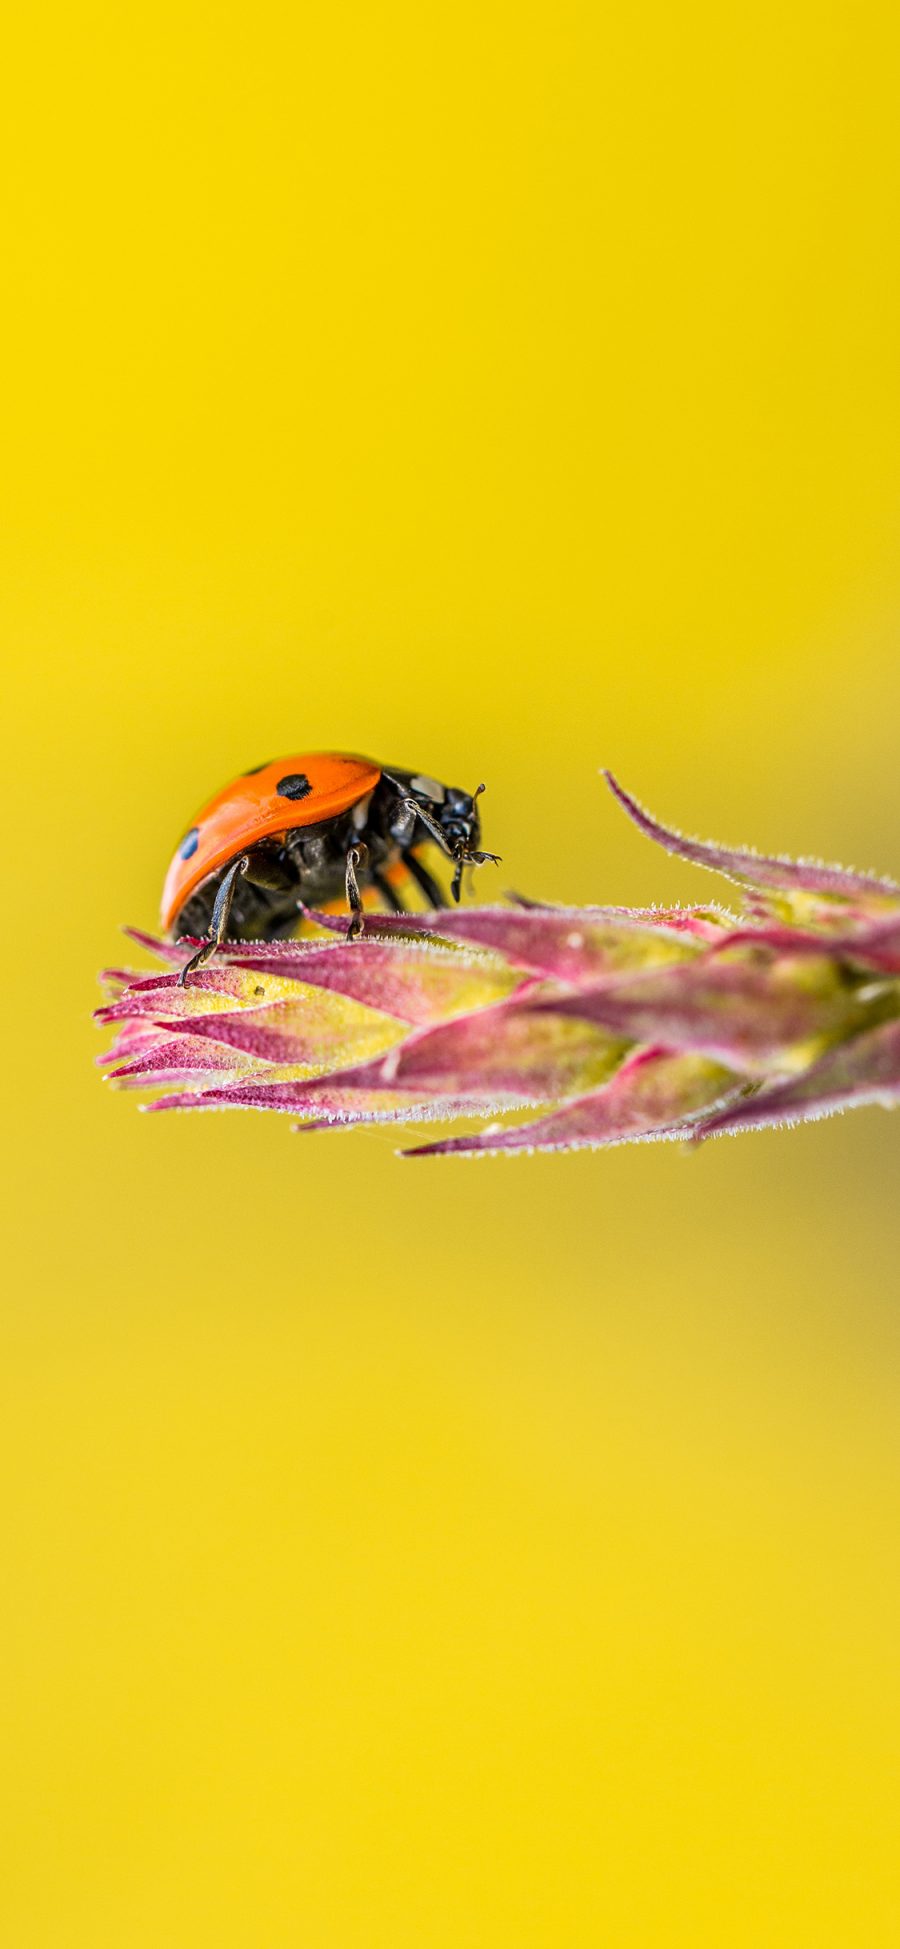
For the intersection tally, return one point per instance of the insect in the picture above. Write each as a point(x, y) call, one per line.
point(295, 831)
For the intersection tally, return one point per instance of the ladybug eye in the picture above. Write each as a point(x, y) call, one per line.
point(189, 843)
point(459, 802)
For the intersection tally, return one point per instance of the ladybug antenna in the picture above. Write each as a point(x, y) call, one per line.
point(465, 856)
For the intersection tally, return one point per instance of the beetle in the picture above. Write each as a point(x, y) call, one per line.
point(295, 830)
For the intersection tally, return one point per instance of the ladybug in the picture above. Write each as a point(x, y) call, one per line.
point(295, 831)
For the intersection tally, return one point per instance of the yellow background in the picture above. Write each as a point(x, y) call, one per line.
point(465, 1554)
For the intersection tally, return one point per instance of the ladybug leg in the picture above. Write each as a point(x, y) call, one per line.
point(357, 856)
point(415, 811)
point(424, 880)
point(218, 922)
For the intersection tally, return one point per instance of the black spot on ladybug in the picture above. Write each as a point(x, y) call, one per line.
point(189, 843)
point(255, 768)
point(295, 786)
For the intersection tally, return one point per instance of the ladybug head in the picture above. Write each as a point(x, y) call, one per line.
point(451, 816)
point(462, 828)
point(458, 818)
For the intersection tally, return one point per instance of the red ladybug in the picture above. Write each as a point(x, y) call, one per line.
point(297, 830)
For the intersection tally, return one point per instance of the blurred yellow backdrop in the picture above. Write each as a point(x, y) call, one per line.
point(426, 1554)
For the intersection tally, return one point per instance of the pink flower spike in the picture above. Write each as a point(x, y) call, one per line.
point(655, 1094)
point(756, 869)
point(864, 1070)
point(575, 1026)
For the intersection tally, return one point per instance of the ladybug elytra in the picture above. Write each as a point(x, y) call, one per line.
point(295, 831)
